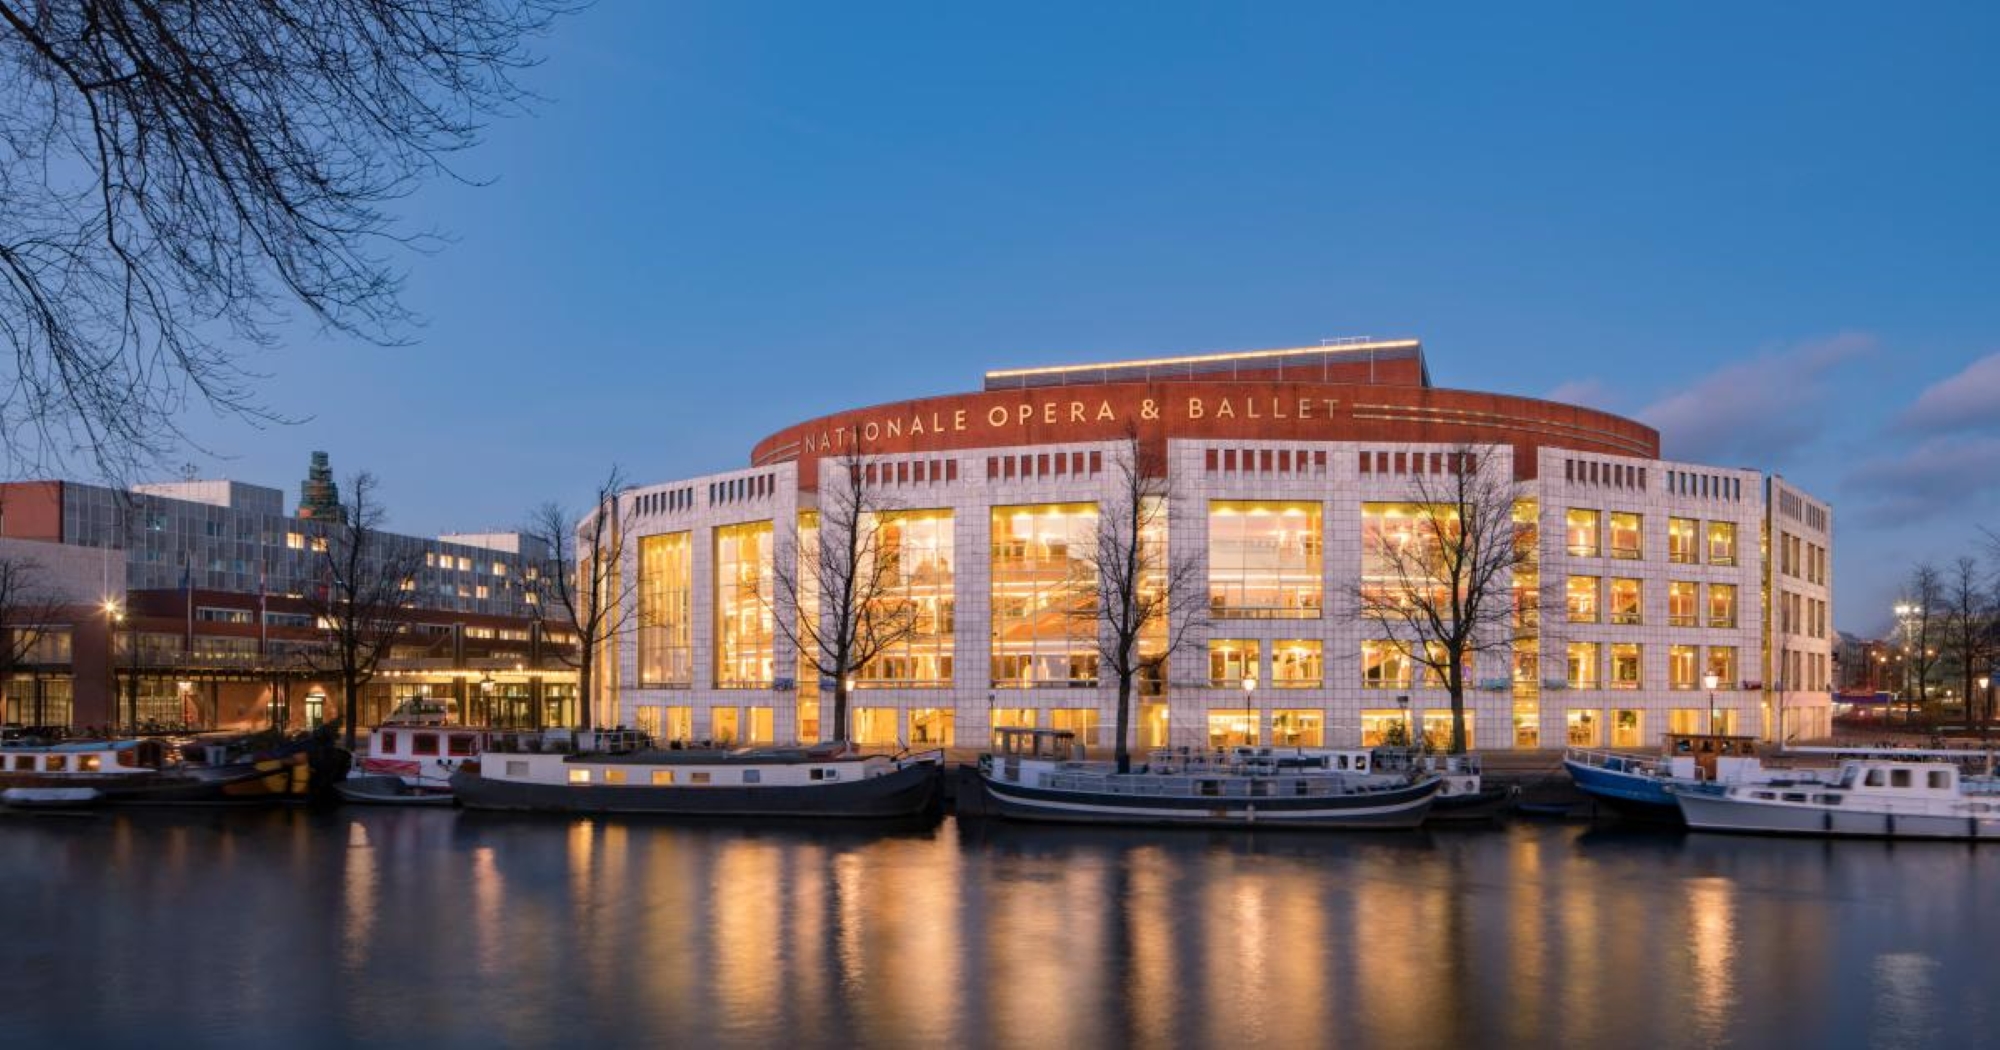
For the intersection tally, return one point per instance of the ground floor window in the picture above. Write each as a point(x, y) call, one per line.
point(679, 724)
point(316, 714)
point(1385, 727)
point(647, 718)
point(1298, 728)
point(1527, 729)
point(1153, 725)
point(1232, 728)
point(38, 701)
point(1584, 728)
point(759, 725)
point(1685, 721)
point(808, 721)
point(1012, 718)
point(876, 726)
point(1079, 720)
point(725, 725)
point(1437, 730)
point(1627, 728)
point(1725, 722)
point(931, 727)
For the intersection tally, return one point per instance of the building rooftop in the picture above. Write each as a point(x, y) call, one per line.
point(1348, 360)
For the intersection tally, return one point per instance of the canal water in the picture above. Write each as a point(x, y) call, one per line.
point(438, 929)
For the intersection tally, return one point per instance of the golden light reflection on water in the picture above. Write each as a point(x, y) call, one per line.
point(358, 896)
point(490, 931)
point(1711, 940)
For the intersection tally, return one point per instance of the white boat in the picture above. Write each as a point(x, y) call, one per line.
point(424, 754)
point(1867, 798)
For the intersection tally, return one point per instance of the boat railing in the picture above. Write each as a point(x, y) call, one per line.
point(1215, 786)
point(1614, 761)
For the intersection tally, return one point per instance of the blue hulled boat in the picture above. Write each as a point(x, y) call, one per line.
point(1637, 785)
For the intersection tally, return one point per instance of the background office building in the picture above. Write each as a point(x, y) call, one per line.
point(1284, 466)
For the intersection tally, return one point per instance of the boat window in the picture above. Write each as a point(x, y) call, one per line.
point(424, 744)
point(1300, 786)
point(698, 778)
point(24, 762)
point(826, 774)
point(662, 777)
point(579, 776)
point(87, 763)
point(517, 768)
point(1828, 800)
point(1899, 778)
point(1795, 796)
point(56, 763)
point(1875, 778)
point(753, 776)
point(1343, 761)
point(1211, 787)
point(1940, 780)
point(1765, 795)
point(461, 744)
point(388, 742)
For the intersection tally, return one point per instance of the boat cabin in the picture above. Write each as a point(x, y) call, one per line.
point(424, 741)
point(1708, 756)
point(1055, 745)
point(89, 756)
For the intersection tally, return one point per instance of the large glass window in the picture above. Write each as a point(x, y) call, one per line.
point(931, 727)
point(1298, 728)
point(1012, 718)
point(1681, 608)
point(1232, 728)
point(1297, 664)
point(1625, 666)
point(1385, 665)
point(1681, 663)
point(915, 552)
point(1722, 664)
point(877, 726)
point(1079, 720)
point(666, 610)
point(1681, 541)
point(744, 634)
point(725, 727)
point(1628, 728)
point(1042, 595)
point(1580, 528)
point(1582, 592)
point(1584, 727)
point(1583, 665)
point(1684, 721)
point(1385, 727)
point(1264, 559)
point(1722, 543)
point(1627, 531)
point(1230, 661)
point(1437, 730)
point(1722, 605)
point(1627, 601)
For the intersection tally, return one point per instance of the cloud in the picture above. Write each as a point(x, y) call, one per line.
point(1967, 401)
point(1756, 410)
point(1590, 393)
point(1943, 475)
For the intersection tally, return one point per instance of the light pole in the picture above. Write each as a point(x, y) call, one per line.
point(1256, 716)
point(1985, 703)
point(1710, 681)
point(1409, 730)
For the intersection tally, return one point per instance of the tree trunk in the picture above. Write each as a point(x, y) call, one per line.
point(350, 696)
point(1458, 719)
point(839, 711)
point(1124, 739)
point(586, 697)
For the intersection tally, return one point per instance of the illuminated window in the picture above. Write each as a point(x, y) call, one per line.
point(1232, 728)
point(663, 777)
point(1725, 722)
point(1722, 543)
point(614, 776)
point(1264, 560)
point(1403, 557)
point(725, 726)
point(1722, 605)
point(1627, 601)
point(1527, 730)
point(1681, 604)
point(1079, 720)
point(1385, 727)
point(1297, 728)
point(1722, 664)
point(915, 551)
point(877, 726)
point(1681, 541)
point(1297, 664)
point(465, 564)
point(1385, 665)
point(579, 776)
point(745, 645)
point(1583, 727)
point(1583, 665)
point(1580, 529)
point(1582, 594)
point(1681, 664)
point(931, 727)
point(1230, 661)
point(1437, 730)
point(666, 610)
point(679, 723)
point(1043, 599)
point(1625, 666)
point(1685, 721)
point(1627, 728)
point(1012, 718)
point(761, 727)
point(295, 540)
point(1626, 530)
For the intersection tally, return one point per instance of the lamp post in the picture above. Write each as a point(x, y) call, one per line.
point(1256, 716)
point(1710, 681)
point(1985, 703)
point(1409, 730)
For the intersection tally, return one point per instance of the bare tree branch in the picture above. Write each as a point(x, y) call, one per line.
point(361, 601)
point(583, 587)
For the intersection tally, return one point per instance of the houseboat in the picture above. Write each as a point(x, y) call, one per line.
point(1041, 775)
point(422, 754)
point(1868, 798)
point(1637, 785)
point(616, 772)
point(155, 771)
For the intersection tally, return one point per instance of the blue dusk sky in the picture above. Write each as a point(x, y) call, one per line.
point(1769, 232)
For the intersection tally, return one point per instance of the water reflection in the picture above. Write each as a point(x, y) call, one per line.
point(448, 929)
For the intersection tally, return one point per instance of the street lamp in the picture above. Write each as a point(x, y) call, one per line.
point(1409, 730)
point(1256, 716)
point(1709, 681)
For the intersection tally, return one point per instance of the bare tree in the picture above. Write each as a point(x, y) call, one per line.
point(582, 588)
point(1966, 636)
point(1923, 627)
point(1142, 597)
point(361, 602)
point(29, 609)
point(842, 600)
point(1441, 583)
point(176, 173)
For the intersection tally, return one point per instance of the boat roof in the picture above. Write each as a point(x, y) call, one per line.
point(73, 746)
point(720, 757)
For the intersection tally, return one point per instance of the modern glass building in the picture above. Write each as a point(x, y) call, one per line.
point(1284, 469)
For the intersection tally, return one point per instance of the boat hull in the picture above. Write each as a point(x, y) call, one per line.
point(1708, 812)
point(389, 791)
point(283, 779)
point(1388, 810)
point(1484, 804)
point(1628, 794)
point(903, 793)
